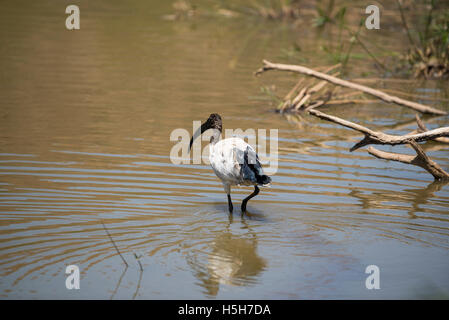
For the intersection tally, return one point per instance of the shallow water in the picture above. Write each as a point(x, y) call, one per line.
point(85, 123)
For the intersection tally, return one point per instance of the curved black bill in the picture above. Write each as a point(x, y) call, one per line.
point(197, 133)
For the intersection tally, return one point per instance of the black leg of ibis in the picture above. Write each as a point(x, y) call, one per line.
point(230, 203)
point(252, 195)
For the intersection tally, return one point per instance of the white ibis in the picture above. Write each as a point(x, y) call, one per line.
point(233, 160)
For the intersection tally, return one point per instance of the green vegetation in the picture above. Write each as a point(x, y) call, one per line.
point(425, 22)
point(428, 55)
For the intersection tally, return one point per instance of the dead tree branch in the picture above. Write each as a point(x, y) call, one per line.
point(377, 137)
point(420, 160)
point(422, 128)
point(344, 83)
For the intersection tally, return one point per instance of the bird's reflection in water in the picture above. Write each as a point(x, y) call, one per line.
point(232, 260)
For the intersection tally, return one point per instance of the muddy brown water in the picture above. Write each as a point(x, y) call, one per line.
point(85, 123)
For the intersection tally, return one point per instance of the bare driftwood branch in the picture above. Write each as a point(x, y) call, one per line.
point(377, 137)
point(344, 83)
point(422, 128)
point(420, 160)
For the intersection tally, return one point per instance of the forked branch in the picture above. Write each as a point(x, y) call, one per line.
point(420, 160)
point(422, 128)
point(377, 137)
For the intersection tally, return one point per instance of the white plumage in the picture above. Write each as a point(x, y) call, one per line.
point(223, 159)
point(233, 160)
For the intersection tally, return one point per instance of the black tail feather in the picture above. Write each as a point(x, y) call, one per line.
point(264, 179)
point(252, 170)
